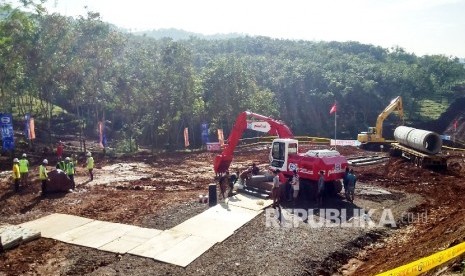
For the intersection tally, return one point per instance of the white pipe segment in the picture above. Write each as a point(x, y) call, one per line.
point(419, 139)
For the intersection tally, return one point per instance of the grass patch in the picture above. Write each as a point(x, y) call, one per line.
point(36, 108)
point(432, 110)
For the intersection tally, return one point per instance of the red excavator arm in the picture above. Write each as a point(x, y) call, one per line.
point(264, 124)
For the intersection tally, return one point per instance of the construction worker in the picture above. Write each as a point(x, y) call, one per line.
point(69, 170)
point(60, 147)
point(16, 174)
point(24, 170)
point(275, 190)
point(255, 170)
point(295, 186)
point(345, 181)
point(224, 184)
point(321, 188)
point(90, 164)
point(43, 176)
point(61, 165)
point(352, 179)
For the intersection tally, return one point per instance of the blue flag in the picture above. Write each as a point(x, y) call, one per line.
point(6, 124)
point(204, 129)
point(27, 117)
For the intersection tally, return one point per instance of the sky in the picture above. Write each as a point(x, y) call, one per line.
point(419, 26)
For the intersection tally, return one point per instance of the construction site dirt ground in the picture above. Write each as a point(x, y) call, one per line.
point(162, 191)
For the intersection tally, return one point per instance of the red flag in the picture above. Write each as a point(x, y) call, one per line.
point(333, 109)
point(455, 124)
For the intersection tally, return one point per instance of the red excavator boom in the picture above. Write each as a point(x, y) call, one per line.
point(261, 123)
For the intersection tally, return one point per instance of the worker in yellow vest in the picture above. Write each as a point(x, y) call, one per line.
point(24, 170)
point(43, 176)
point(16, 174)
point(90, 165)
point(69, 170)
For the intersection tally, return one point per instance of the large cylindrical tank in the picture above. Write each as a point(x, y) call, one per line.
point(419, 139)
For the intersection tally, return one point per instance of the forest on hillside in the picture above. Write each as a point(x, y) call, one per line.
point(149, 90)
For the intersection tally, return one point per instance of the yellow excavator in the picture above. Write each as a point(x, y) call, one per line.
point(373, 139)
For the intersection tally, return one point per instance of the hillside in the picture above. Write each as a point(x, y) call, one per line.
point(149, 90)
point(177, 34)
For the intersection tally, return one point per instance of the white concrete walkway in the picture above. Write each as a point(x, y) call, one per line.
point(179, 245)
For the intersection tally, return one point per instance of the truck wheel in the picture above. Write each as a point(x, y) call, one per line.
point(308, 189)
point(333, 188)
point(395, 152)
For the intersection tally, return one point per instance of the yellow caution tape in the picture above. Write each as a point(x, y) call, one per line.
point(427, 263)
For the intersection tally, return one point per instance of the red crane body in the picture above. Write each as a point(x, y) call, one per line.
point(284, 153)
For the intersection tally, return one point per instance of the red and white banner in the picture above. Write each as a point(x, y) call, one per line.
point(259, 126)
point(221, 137)
point(186, 137)
point(353, 143)
point(213, 146)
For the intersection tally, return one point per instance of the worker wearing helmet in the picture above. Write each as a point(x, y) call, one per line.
point(69, 170)
point(43, 176)
point(24, 169)
point(16, 174)
point(90, 164)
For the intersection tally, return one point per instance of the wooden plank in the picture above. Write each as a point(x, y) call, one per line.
point(207, 228)
point(183, 253)
point(130, 240)
point(217, 223)
point(227, 212)
point(55, 224)
point(158, 244)
point(95, 234)
point(248, 202)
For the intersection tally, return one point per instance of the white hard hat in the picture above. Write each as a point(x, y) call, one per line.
point(88, 154)
point(15, 160)
point(45, 161)
point(67, 159)
point(24, 155)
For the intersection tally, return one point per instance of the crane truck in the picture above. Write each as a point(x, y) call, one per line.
point(284, 154)
point(373, 138)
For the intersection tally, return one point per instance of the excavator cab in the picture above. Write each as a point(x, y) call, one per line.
point(373, 139)
point(280, 151)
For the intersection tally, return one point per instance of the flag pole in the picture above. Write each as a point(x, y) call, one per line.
point(335, 127)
